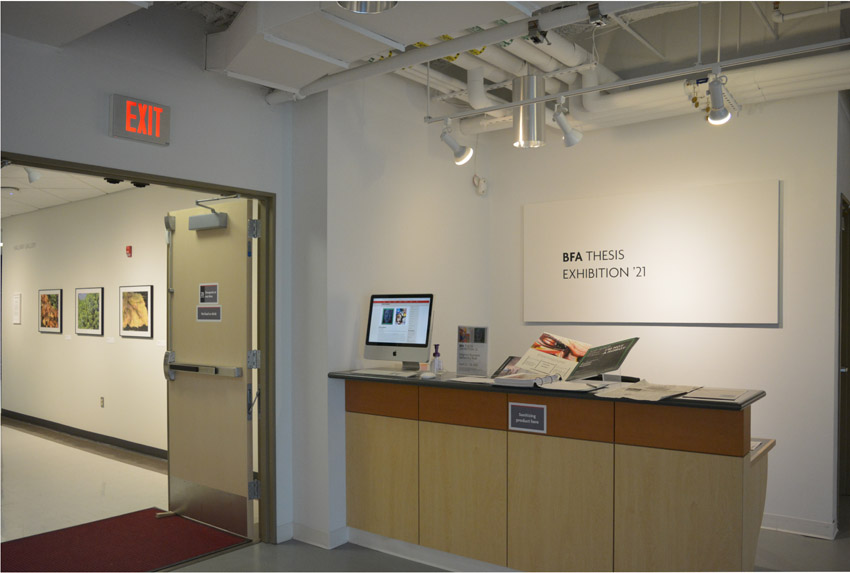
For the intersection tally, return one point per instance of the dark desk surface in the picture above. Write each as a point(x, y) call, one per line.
point(445, 380)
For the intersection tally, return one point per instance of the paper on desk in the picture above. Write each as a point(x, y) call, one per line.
point(729, 394)
point(568, 386)
point(644, 391)
point(474, 379)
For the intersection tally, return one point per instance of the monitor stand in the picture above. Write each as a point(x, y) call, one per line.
point(406, 365)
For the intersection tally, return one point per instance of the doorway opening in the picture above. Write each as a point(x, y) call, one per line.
point(264, 308)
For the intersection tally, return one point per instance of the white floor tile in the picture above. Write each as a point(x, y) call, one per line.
point(48, 486)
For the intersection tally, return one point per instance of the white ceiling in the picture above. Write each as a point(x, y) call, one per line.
point(50, 189)
point(295, 47)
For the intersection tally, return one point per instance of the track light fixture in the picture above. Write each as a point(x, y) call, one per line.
point(571, 135)
point(462, 153)
point(718, 114)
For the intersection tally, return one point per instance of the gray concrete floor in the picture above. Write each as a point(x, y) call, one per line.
point(121, 477)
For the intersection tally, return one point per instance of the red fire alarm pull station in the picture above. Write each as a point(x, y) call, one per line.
point(129, 249)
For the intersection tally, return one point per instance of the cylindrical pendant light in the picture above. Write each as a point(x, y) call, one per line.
point(530, 119)
point(367, 7)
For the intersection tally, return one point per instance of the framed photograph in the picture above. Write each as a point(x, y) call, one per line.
point(50, 310)
point(136, 311)
point(89, 311)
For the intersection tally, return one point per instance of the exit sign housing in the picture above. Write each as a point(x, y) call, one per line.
point(134, 118)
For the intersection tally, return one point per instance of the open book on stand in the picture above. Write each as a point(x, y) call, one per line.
point(524, 379)
point(561, 362)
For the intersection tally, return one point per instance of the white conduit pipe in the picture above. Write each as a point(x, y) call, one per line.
point(571, 54)
point(785, 79)
point(779, 17)
point(767, 82)
point(528, 53)
point(468, 61)
point(478, 97)
point(547, 21)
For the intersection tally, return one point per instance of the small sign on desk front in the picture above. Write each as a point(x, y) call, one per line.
point(527, 417)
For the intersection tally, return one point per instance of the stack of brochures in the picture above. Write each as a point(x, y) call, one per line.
point(524, 379)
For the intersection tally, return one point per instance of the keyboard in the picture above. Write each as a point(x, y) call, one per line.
point(394, 373)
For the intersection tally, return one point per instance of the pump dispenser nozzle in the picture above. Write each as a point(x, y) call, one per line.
point(436, 361)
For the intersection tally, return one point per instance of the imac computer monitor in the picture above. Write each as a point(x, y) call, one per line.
point(400, 328)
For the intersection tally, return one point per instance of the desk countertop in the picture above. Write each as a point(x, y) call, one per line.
point(445, 380)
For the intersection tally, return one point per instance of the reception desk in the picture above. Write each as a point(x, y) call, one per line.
point(611, 485)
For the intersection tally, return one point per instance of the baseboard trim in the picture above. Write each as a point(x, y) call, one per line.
point(425, 555)
point(800, 526)
point(93, 436)
point(323, 539)
point(285, 532)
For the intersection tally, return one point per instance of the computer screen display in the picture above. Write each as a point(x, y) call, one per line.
point(400, 319)
point(399, 327)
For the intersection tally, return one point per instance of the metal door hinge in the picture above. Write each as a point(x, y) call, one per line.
point(254, 228)
point(254, 489)
point(254, 359)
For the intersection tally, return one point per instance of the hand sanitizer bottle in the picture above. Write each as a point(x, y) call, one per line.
point(436, 361)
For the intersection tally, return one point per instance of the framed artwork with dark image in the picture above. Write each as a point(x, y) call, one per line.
point(89, 311)
point(136, 311)
point(50, 310)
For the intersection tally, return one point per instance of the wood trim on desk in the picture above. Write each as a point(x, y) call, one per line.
point(574, 418)
point(703, 430)
point(464, 408)
point(382, 399)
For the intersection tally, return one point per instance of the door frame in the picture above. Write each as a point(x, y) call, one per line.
point(265, 253)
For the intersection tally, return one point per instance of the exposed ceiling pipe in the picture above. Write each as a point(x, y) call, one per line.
point(545, 22)
point(468, 61)
point(571, 54)
point(478, 97)
point(779, 17)
point(762, 83)
point(526, 52)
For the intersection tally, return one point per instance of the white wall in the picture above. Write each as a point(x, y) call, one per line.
point(55, 105)
point(393, 191)
point(401, 217)
point(796, 363)
point(61, 377)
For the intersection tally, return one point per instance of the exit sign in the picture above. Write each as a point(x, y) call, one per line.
point(133, 118)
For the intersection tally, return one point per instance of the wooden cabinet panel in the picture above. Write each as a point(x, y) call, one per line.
point(560, 504)
point(463, 491)
point(705, 430)
point(464, 407)
point(381, 399)
point(677, 511)
point(382, 475)
point(574, 417)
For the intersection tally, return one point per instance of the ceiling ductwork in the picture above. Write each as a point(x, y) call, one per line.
point(611, 63)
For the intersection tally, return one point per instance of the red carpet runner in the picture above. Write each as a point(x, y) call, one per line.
point(133, 542)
